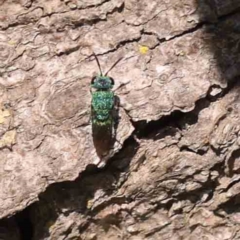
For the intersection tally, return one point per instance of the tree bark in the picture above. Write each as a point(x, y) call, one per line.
point(172, 171)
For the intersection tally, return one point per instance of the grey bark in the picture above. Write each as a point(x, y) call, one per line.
point(173, 171)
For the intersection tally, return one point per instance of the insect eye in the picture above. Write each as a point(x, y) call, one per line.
point(93, 80)
point(112, 81)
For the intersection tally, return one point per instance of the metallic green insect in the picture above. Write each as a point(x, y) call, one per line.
point(102, 98)
point(102, 105)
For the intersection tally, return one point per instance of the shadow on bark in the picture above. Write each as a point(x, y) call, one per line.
point(222, 34)
point(77, 196)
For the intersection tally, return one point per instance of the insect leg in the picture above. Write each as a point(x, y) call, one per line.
point(121, 85)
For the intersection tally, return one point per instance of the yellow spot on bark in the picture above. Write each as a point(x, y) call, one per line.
point(50, 224)
point(89, 204)
point(180, 53)
point(8, 139)
point(143, 49)
point(4, 113)
point(11, 42)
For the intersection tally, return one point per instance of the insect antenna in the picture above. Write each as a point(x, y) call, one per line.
point(99, 66)
point(113, 66)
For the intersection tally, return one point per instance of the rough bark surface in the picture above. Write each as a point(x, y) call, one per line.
point(173, 172)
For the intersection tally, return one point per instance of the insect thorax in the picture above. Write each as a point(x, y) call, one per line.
point(102, 104)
